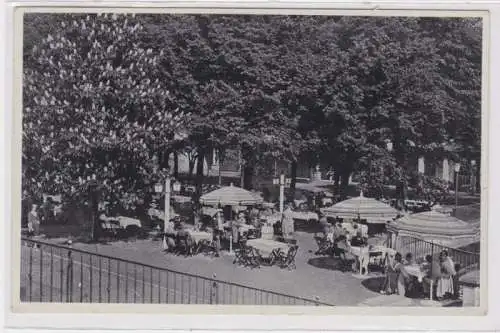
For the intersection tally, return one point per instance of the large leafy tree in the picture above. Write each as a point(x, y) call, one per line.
point(95, 103)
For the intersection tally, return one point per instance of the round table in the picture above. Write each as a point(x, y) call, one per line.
point(267, 246)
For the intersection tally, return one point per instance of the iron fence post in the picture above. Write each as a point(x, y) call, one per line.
point(214, 295)
point(51, 273)
point(30, 273)
point(69, 278)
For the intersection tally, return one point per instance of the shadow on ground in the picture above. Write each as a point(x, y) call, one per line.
point(328, 263)
point(373, 283)
point(310, 227)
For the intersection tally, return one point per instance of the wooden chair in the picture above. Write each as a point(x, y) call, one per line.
point(324, 247)
point(184, 244)
point(247, 256)
point(288, 260)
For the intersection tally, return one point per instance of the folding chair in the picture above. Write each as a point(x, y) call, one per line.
point(288, 260)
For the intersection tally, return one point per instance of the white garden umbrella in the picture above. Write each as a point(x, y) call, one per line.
point(230, 196)
point(369, 209)
point(436, 227)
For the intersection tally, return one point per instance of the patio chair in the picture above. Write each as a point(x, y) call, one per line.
point(184, 244)
point(347, 260)
point(207, 247)
point(254, 233)
point(247, 256)
point(324, 247)
point(288, 260)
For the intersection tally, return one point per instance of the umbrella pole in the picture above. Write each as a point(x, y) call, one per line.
point(231, 232)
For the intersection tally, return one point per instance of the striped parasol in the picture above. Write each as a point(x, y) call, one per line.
point(231, 196)
point(436, 227)
point(369, 209)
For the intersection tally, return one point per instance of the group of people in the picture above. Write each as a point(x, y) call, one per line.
point(438, 272)
point(337, 231)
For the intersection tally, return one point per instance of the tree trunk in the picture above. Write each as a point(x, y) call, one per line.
point(344, 187)
point(401, 193)
point(336, 189)
point(248, 171)
point(192, 162)
point(293, 180)
point(199, 173)
point(248, 161)
point(176, 165)
point(199, 186)
point(164, 160)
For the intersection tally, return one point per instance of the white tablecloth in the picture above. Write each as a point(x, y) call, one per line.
point(363, 253)
point(200, 235)
point(266, 246)
point(306, 216)
point(348, 226)
point(241, 227)
point(127, 221)
point(416, 271)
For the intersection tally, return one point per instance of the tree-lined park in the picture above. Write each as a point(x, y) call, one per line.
point(119, 96)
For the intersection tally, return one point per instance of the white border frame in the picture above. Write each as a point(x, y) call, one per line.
point(272, 319)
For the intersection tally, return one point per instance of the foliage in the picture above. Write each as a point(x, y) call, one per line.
point(115, 95)
point(95, 103)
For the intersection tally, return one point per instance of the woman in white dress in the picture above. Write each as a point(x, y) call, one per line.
point(287, 226)
point(445, 282)
point(33, 221)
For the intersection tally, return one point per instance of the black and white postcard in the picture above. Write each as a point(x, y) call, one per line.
point(268, 160)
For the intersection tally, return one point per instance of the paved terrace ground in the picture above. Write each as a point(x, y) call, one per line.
point(314, 276)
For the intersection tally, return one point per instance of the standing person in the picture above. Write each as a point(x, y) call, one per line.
point(402, 274)
point(34, 221)
point(325, 226)
point(427, 281)
point(218, 231)
point(287, 222)
point(391, 275)
point(170, 235)
point(445, 283)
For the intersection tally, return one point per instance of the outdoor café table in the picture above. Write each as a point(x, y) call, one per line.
point(415, 270)
point(200, 235)
point(128, 221)
point(241, 227)
point(305, 216)
point(363, 253)
point(267, 246)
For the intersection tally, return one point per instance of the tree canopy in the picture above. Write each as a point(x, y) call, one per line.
point(115, 95)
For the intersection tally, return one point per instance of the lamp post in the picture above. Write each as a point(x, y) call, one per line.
point(281, 182)
point(473, 177)
point(167, 189)
point(93, 203)
point(457, 170)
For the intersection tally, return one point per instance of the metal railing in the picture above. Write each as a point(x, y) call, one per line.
point(420, 248)
point(55, 273)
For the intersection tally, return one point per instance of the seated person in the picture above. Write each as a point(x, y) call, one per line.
point(178, 223)
point(409, 259)
point(358, 240)
point(330, 236)
point(427, 280)
point(325, 226)
point(184, 240)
